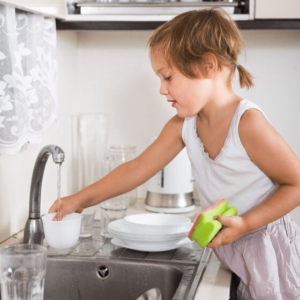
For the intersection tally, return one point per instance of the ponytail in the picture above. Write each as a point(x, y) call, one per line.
point(246, 79)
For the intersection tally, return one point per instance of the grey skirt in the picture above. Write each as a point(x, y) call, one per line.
point(267, 261)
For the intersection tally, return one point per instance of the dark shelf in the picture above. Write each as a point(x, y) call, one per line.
point(107, 25)
point(283, 24)
point(279, 24)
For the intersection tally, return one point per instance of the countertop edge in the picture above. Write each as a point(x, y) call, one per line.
point(215, 282)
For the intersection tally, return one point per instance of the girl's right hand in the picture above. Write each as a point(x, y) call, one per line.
point(233, 228)
point(69, 205)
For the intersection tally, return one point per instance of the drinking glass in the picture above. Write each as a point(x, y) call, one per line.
point(111, 210)
point(22, 272)
point(118, 155)
point(87, 222)
point(92, 140)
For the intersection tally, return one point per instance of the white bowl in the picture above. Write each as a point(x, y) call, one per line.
point(154, 224)
point(62, 234)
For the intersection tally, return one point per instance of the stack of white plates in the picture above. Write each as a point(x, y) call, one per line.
point(151, 232)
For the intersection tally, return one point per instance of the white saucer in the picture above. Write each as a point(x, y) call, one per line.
point(146, 242)
point(118, 229)
point(138, 238)
point(154, 248)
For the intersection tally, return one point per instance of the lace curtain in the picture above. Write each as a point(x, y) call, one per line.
point(28, 78)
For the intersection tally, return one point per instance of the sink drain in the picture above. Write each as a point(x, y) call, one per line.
point(103, 272)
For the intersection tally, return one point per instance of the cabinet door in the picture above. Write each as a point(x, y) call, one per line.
point(53, 8)
point(277, 9)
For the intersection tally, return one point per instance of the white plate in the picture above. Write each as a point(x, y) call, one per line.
point(119, 228)
point(153, 224)
point(145, 238)
point(148, 243)
point(154, 248)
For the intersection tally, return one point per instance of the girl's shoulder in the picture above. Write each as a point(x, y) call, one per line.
point(252, 111)
point(251, 119)
point(256, 133)
point(246, 105)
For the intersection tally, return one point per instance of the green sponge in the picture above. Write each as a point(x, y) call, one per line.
point(206, 227)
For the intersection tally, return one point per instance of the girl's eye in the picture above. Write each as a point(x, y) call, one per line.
point(168, 78)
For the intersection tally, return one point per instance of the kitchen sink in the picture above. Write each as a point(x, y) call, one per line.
point(110, 279)
point(96, 269)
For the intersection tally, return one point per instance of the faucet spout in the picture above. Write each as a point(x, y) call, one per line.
point(34, 231)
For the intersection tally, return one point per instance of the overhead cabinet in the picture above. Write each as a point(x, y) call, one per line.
point(277, 9)
point(52, 8)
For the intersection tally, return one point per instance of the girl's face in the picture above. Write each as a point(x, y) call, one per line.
point(187, 95)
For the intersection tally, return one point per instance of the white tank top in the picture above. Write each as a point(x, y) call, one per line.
point(231, 175)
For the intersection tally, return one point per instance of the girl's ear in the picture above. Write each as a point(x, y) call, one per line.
point(210, 65)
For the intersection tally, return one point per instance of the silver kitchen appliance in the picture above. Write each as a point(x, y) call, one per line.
point(171, 189)
point(155, 10)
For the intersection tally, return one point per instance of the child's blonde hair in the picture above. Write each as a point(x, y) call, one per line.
point(189, 37)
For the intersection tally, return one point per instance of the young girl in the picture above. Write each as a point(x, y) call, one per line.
point(234, 150)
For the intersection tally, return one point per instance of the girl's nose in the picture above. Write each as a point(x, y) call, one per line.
point(163, 90)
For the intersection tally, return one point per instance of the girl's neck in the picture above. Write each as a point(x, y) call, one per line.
point(219, 107)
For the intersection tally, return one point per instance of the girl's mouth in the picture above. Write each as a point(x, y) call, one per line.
point(173, 102)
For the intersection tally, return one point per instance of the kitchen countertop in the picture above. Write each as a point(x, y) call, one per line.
point(215, 281)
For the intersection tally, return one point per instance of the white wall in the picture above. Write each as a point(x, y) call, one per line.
point(109, 71)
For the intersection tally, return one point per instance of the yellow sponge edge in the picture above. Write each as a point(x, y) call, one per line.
point(206, 227)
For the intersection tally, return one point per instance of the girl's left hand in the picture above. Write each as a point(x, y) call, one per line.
point(233, 228)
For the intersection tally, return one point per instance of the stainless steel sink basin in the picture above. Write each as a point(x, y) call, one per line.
point(109, 279)
point(95, 269)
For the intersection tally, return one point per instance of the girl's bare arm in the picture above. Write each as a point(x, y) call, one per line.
point(130, 174)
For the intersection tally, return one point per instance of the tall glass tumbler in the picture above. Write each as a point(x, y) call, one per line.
point(118, 155)
point(22, 272)
point(92, 138)
point(112, 210)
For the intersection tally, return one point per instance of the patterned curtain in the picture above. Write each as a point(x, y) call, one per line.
point(28, 78)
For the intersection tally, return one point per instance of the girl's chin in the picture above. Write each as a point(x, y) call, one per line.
point(184, 115)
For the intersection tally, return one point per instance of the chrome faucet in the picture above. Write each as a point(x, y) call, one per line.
point(34, 231)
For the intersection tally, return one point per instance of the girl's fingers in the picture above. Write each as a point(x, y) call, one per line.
point(67, 207)
point(60, 214)
point(56, 218)
point(64, 210)
point(79, 210)
point(54, 207)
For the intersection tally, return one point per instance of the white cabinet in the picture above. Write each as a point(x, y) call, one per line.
point(277, 9)
point(53, 8)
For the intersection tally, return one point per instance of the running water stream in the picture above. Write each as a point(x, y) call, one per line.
point(58, 190)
